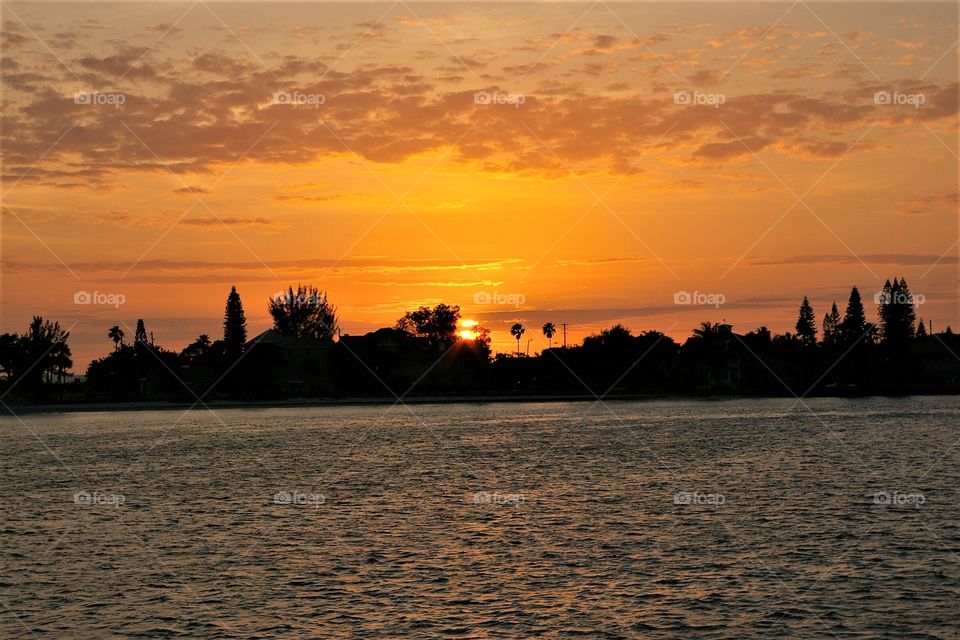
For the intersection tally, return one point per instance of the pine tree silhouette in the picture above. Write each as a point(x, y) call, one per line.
point(807, 324)
point(234, 325)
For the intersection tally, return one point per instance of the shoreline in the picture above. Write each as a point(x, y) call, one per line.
point(354, 401)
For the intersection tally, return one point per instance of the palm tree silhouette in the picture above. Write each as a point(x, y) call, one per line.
point(516, 331)
point(549, 330)
point(116, 334)
point(706, 330)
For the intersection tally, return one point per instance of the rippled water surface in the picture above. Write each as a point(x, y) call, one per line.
point(674, 519)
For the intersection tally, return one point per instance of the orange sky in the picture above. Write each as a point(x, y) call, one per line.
point(586, 192)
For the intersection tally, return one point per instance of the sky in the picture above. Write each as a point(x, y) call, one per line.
point(651, 164)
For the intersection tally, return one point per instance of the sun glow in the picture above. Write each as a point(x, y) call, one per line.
point(468, 329)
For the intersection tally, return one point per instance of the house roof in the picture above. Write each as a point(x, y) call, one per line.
point(385, 337)
point(271, 336)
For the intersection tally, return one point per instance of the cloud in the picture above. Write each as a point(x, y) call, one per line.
point(804, 70)
point(856, 36)
point(732, 149)
point(705, 77)
point(444, 284)
point(198, 112)
point(125, 62)
point(219, 63)
point(590, 262)
point(172, 270)
point(819, 149)
point(304, 198)
point(163, 28)
point(88, 176)
point(303, 31)
point(94, 24)
point(870, 258)
point(11, 38)
point(234, 222)
point(947, 202)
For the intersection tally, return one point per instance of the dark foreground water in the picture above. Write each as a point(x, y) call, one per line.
point(732, 519)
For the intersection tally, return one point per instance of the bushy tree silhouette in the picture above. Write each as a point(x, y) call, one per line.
point(304, 313)
point(40, 354)
point(438, 325)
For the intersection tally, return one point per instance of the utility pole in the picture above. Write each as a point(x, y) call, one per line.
point(564, 335)
point(528, 346)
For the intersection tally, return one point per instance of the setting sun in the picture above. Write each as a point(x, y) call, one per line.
point(468, 329)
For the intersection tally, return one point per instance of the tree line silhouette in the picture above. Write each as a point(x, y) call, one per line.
point(427, 353)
